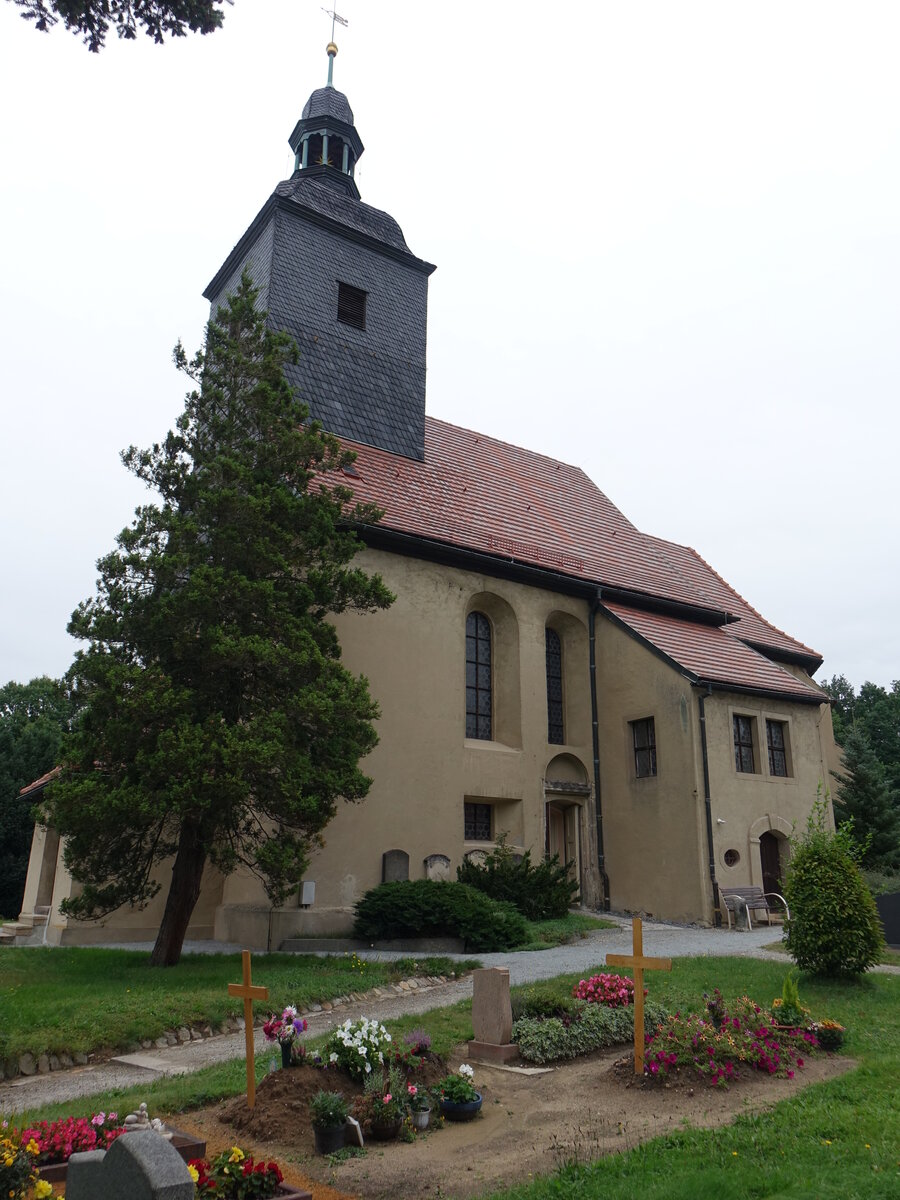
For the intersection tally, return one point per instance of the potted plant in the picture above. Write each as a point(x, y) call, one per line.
point(829, 1034)
point(286, 1030)
point(419, 1106)
point(234, 1175)
point(328, 1111)
point(388, 1108)
point(459, 1099)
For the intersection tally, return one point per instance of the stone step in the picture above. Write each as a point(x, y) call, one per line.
point(42, 910)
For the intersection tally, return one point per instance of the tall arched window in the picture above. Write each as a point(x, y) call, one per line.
point(479, 704)
point(556, 733)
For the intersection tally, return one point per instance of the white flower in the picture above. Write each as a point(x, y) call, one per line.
point(368, 1067)
point(333, 1057)
point(466, 1071)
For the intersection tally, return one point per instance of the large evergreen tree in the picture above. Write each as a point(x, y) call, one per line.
point(92, 18)
point(219, 725)
point(867, 805)
point(33, 717)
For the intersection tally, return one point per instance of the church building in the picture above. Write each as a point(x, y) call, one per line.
point(548, 673)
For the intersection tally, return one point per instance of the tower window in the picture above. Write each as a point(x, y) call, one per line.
point(351, 306)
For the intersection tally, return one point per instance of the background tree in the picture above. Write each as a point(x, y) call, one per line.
point(92, 18)
point(33, 717)
point(866, 803)
point(219, 725)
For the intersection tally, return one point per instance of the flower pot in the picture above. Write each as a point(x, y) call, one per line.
point(286, 1048)
point(386, 1131)
point(420, 1118)
point(461, 1112)
point(830, 1039)
point(329, 1138)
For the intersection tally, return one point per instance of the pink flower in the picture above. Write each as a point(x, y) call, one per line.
point(412, 1089)
point(388, 1098)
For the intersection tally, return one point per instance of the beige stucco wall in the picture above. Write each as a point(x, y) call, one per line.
point(424, 768)
point(653, 828)
point(747, 805)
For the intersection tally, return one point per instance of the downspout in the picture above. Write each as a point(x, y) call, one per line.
point(707, 799)
point(595, 733)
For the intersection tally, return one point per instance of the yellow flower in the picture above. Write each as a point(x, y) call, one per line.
point(237, 1154)
point(193, 1172)
point(33, 1147)
point(42, 1189)
point(826, 1142)
point(734, 1154)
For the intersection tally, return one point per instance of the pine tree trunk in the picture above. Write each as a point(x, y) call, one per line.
point(184, 892)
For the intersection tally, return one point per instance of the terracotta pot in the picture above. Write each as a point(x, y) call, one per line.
point(461, 1112)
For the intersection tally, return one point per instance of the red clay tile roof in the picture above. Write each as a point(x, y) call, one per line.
point(30, 787)
point(714, 655)
point(751, 627)
point(481, 494)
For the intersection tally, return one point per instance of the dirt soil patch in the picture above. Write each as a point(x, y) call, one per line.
point(530, 1124)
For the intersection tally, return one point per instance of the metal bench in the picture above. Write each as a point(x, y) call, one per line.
point(751, 899)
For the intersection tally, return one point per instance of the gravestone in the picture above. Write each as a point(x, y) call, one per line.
point(139, 1166)
point(492, 1016)
point(394, 866)
point(437, 866)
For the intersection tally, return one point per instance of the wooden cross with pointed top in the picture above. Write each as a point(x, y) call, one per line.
point(639, 964)
point(248, 993)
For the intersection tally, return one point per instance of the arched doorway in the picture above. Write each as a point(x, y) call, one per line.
point(770, 862)
point(566, 791)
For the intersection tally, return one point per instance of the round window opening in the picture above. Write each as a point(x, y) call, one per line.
point(732, 858)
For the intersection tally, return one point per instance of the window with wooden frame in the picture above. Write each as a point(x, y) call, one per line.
point(744, 759)
point(556, 733)
point(351, 308)
point(643, 737)
point(477, 822)
point(776, 743)
point(479, 682)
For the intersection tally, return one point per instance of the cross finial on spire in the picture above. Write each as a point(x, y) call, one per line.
point(331, 49)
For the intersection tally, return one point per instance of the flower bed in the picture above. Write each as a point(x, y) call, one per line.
point(744, 1037)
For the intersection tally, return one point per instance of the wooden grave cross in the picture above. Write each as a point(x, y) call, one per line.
point(639, 964)
point(248, 993)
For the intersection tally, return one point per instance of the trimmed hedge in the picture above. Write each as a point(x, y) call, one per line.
point(540, 891)
point(549, 1039)
point(427, 908)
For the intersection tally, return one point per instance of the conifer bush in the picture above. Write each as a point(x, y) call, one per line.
point(427, 907)
point(833, 928)
point(540, 891)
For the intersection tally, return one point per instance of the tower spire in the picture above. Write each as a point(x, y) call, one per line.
point(331, 49)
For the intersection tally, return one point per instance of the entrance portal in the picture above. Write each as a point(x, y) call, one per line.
point(770, 860)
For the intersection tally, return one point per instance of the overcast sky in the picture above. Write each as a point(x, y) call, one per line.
point(667, 246)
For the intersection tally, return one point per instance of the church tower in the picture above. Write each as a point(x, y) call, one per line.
point(337, 275)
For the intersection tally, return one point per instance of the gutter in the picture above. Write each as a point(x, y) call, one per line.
point(707, 801)
point(595, 735)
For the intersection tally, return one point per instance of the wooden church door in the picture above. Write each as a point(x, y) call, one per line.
point(770, 860)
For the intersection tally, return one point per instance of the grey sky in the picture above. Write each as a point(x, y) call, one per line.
point(667, 245)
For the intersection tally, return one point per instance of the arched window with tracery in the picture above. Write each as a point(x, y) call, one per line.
point(479, 683)
point(556, 733)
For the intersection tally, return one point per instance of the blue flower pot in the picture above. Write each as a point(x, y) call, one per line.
point(461, 1112)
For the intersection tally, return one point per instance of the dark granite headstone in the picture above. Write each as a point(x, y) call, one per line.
point(394, 866)
point(139, 1166)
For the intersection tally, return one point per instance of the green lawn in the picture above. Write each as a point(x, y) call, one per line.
point(77, 999)
point(571, 927)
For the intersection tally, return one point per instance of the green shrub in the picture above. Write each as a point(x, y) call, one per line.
point(549, 1039)
point(542, 1000)
point(540, 891)
point(427, 908)
point(833, 928)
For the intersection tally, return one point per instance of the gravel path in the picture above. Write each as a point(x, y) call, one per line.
point(672, 941)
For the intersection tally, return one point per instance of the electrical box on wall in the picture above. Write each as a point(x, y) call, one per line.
point(307, 894)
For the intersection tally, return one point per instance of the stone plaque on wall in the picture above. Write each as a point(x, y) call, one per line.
point(394, 866)
point(437, 866)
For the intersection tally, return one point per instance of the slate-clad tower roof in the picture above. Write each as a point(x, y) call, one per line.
point(338, 276)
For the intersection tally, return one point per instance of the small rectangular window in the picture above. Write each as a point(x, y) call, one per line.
point(477, 822)
point(743, 745)
point(351, 308)
point(643, 735)
point(777, 746)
